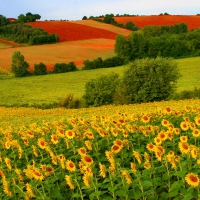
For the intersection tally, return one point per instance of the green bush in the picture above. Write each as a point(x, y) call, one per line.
point(70, 102)
point(19, 66)
point(100, 91)
point(40, 69)
point(64, 67)
point(149, 80)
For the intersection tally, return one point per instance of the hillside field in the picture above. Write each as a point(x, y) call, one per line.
point(192, 21)
point(54, 87)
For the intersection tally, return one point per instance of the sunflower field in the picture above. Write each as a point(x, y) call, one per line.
point(147, 151)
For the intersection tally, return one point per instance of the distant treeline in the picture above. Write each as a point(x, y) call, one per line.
point(166, 41)
point(109, 19)
point(19, 32)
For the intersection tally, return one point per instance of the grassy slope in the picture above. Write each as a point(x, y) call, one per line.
point(2, 45)
point(52, 88)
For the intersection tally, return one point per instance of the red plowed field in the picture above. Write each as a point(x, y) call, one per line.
point(193, 22)
point(69, 31)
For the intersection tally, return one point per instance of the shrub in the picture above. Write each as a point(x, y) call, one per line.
point(150, 80)
point(19, 66)
point(64, 67)
point(100, 91)
point(70, 102)
point(40, 69)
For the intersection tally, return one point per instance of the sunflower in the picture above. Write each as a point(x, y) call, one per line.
point(197, 120)
point(196, 132)
point(192, 180)
point(70, 166)
point(114, 132)
point(192, 125)
point(162, 135)
point(157, 140)
point(133, 167)
point(184, 147)
point(37, 175)
point(90, 135)
point(88, 145)
point(137, 156)
point(8, 163)
point(184, 126)
point(165, 122)
point(194, 153)
point(112, 168)
point(127, 176)
point(110, 156)
point(169, 135)
point(70, 134)
point(115, 148)
point(102, 170)
point(183, 138)
point(69, 182)
point(87, 160)
point(176, 131)
point(54, 139)
point(42, 143)
point(147, 165)
point(88, 171)
point(82, 151)
point(86, 180)
point(34, 151)
point(29, 190)
point(60, 132)
point(145, 119)
point(126, 143)
point(158, 155)
point(150, 147)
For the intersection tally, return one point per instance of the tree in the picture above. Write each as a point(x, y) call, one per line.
point(84, 18)
point(40, 69)
point(122, 46)
point(130, 25)
point(3, 20)
point(100, 91)
point(150, 80)
point(19, 66)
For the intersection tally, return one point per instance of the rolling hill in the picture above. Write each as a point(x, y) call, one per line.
point(83, 39)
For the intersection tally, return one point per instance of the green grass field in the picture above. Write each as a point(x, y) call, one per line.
point(37, 90)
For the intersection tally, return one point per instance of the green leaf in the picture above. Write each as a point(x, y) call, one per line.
point(180, 174)
point(176, 185)
point(95, 194)
point(112, 189)
point(121, 193)
point(173, 193)
point(164, 196)
point(76, 195)
point(188, 197)
point(147, 184)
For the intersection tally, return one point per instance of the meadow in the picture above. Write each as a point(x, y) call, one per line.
point(51, 88)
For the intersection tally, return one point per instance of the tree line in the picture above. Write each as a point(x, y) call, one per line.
point(21, 33)
point(166, 41)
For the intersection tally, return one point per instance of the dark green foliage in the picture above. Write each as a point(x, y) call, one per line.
point(109, 19)
point(187, 94)
point(131, 26)
point(99, 63)
point(64, 67)
point(100, 91)
point(84, 18)
point(26, 34)
point(71, 102)
point(3, 20)
point(168, 41)
point(19, 66)
point(29, 17)
point(40, 69)
point(150, 80)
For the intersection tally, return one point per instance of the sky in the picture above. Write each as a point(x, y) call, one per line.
point(76, 9)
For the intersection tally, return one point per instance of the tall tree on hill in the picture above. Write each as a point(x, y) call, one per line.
point(19, 66)
point(3, 20)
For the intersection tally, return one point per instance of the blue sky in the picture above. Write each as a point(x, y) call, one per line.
point(76, 9)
